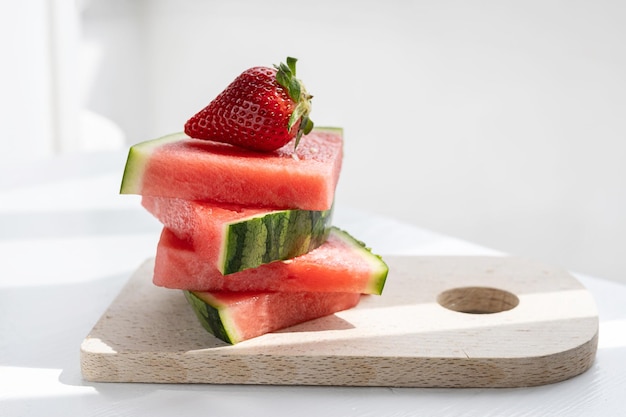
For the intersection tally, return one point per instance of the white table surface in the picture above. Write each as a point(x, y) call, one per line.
point(68, 242)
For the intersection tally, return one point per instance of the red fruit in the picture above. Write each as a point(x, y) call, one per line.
point(262, 109)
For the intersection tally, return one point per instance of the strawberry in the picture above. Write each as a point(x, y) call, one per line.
point(262, 109)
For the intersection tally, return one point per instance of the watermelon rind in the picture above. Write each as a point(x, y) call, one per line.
point(330, 129)
point(138, 156)
point(274, 236)
point(209, 315)
point(380, 269)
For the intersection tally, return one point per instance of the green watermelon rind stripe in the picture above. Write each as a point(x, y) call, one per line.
point(210, 315)
point(275, 236)
point(329, 129)
point(380, 269)
point(137, 160)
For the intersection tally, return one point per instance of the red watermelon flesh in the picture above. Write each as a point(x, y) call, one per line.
point(237, 316)
point(180, 167)
point(341, 264)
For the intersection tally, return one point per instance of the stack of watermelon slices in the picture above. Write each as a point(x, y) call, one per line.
point(248, 236)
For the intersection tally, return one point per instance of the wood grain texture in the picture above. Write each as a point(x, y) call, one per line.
point(404, 338)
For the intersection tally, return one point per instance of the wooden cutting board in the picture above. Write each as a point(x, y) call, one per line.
point(441, 322)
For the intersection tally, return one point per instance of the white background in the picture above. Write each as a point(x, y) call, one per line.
point(498, 122)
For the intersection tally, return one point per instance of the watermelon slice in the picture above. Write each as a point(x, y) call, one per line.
point(237, 316)
point(341, 264)
point(235, 238)
point(180, 167)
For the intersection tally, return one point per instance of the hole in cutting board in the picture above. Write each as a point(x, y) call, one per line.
point(477, 300)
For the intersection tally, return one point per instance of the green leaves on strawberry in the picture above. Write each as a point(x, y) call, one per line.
point(262, 109)
point(286, 77)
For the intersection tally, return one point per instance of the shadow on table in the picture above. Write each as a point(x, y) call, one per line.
point(46, 335)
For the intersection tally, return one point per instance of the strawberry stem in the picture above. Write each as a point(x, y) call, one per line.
point(291, 63)
point(286, 77)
